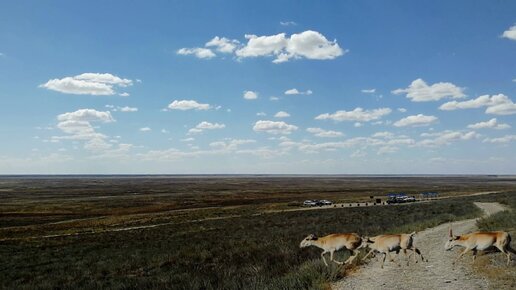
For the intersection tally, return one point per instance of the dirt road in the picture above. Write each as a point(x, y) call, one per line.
point(437, 273)
point(369, 204)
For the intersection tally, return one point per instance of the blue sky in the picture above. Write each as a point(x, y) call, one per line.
point(351, 87)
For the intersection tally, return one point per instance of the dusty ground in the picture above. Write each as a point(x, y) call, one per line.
point(437, 273)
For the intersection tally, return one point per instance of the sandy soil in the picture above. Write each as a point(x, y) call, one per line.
point(437, 273)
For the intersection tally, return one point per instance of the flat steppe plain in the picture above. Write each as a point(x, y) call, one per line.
point(205, 232)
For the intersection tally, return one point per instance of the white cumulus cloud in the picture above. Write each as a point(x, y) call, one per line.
point(87, 84)
point(510, 33)
point(491, 124)
point(419, 91)
point(445, 137)
point(184, 105)
point(127, 109)
point(324, 133)
point(308, 44)
point(250, 95)
point(223, 44)
point(78, 126)
point(230, 144)
point(282, 114)
point(273, 127)
point(124, 109)
point(199, 52)
point(358, 114)
point(294, 91)
point(199, 128)
point(416, 120)
point(497, 105)
point(87, 115)
point(501, 140)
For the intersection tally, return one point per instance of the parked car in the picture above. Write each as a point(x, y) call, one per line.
point(325, 202)
point(316, 202)
point(310, 203)
point(400, 199)
point(410, 199)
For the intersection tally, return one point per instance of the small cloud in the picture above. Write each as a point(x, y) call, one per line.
point(419, 91)
point(164, 131)
point(97, 84)
point(145, 129)
point(127, 109)
point(368, 91)
point(273, 98)
point(496, 104)
point(199, 52)
point(122, 109)
point(223, 44)
point(491, 124)
point(124, 94)
point(403, 110)
point(501, 140)
point(185, 105)
point(282, 114)
point(357, 125)
point(187, 139)
point(416, 121)
point(273, 127)
point(288, 23)
point(261, 114)
point(358, 114)
point(510, 33)
point(294, 91)
point(250, 95)
point(324, 133)
point(205, 126)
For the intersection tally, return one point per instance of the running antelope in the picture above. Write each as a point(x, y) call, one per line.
point(480, 241)
point(392, 243)
point(334, 242)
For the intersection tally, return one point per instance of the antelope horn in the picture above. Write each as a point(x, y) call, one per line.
point(450, 232)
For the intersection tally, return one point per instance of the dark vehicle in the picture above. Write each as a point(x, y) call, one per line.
point(325, 202)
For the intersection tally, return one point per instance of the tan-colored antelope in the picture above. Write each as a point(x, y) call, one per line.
point(392, 243)
point(480, 241)
point(332, 243)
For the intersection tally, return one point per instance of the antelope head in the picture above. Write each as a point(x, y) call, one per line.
point(308, 241)
point(452, 240)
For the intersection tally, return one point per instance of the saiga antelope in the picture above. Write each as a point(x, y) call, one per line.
point(481, 241)
point(392, 243)
point(332, 243)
